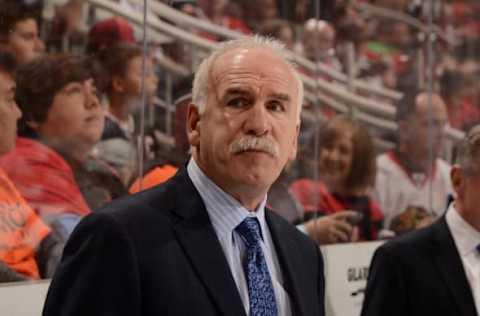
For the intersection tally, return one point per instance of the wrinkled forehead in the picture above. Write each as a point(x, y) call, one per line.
point(253, 63)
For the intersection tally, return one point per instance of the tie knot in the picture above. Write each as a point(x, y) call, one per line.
point(250, 231)
point(478, 248)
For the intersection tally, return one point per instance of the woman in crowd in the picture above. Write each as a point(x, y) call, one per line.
point(346, 163)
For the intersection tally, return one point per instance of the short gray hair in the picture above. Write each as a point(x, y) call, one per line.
point(202, 77)
point(468, 149)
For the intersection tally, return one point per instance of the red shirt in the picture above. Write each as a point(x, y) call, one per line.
point(44, 179)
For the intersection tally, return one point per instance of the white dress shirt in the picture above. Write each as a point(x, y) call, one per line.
point(226, 213)
point(466, 240)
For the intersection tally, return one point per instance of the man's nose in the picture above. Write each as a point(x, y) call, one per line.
point(258, 121)
point(39, 45)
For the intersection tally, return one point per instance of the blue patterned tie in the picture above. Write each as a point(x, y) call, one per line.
point(260, 288)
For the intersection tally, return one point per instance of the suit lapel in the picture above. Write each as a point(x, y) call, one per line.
point(200, 243)
point(448, 262)
point(288, 263)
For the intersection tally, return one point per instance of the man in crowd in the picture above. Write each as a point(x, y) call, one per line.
point(28, 249)
point(203, 242)
point(19, 32)
point(434, 271)
point(318, 43)
point(411, 175)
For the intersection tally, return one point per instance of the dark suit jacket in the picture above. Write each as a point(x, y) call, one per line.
point(156, 253)
point(420, 273)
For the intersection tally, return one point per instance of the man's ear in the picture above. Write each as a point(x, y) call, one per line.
point(193, 125)
point(457, 176)
point(293, 153)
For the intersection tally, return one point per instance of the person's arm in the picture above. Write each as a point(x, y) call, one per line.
point(98, 274)
point(386, 290)
point(50, 250)
point(330, 229)
point(7, 274)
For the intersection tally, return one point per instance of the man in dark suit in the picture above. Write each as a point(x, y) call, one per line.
point(204, 243)
point(435, 270)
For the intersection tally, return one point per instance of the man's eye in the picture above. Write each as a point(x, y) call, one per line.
point(276, 107)
point(238, 102)
point(27, 36)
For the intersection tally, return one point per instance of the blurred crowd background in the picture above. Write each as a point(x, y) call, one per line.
point(391, 85)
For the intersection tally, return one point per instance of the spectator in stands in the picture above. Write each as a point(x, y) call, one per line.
point(346, 164)
point(318, 43)
point(351, 28)
point(186, 6)
point(29, 249)
point(19, 31)
point(62, 121)
point(434, 271)
point(66, 25)
point(106, 33)
point(459, 91)
point(281, 30)
point(217, 11)
point(258, 12)
point(412, 174)
point(123, 65)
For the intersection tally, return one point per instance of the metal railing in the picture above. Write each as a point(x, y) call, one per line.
point(370, 110)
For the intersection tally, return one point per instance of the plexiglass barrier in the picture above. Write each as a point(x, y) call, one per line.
point(103, 88)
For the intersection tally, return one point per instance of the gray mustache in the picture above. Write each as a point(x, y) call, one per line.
point(254, 143)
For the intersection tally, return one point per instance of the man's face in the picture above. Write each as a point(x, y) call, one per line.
point(24, 41)
point(9, 113)
point(425, 128)
point(466, 183)
point(318, 41)
point(248, 131)
point(131, 83)
point(75, 119)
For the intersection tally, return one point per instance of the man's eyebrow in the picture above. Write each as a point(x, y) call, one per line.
point(280, 96)
point(236, 90)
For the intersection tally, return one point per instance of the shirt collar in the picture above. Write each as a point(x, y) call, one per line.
point(225, 212)
point(466, 237)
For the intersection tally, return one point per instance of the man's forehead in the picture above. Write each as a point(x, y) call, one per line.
point(254, 62)
point(425, 104)
point(249, 57)
point(26, 25)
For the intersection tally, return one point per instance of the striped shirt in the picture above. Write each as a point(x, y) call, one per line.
point(226, 213)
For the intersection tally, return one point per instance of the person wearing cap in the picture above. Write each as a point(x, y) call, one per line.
point(106, 33)
point(434, 271)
